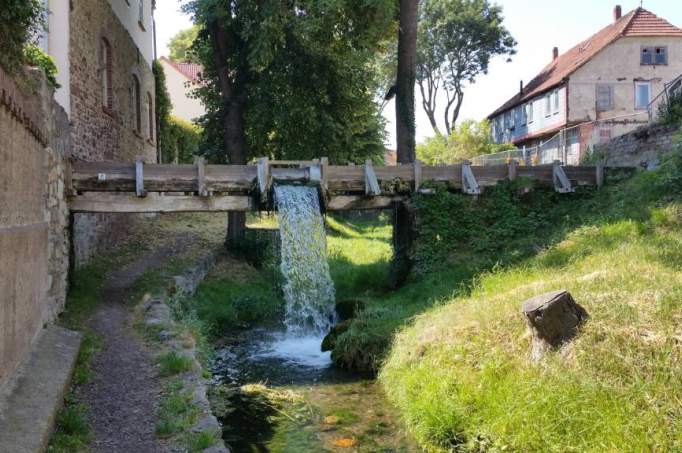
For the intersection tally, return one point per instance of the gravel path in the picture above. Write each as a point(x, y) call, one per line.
point(124, 394)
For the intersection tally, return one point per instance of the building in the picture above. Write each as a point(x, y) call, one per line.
point(104, 51)
point(603, 87)
point(181, 79)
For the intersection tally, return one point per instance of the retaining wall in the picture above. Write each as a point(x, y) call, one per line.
point(34, 250)
point(640, 148)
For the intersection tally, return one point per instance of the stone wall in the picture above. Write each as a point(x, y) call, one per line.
point(34, 143)
point(640, 148)
point(100, 133)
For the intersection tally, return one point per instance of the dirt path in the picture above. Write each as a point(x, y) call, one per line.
point(124, 393)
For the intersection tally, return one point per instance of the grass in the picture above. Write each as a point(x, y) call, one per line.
point(460, 372)
point(73, 433)
point(172, 363)
point(176, 411)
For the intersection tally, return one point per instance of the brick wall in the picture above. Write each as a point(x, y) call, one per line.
point(100, 133)
point(642, 147)
point(34, 143)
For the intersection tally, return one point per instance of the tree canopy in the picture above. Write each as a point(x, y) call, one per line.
point(181, 44)
point(302, 72)
point(21, 21)
point(457, 39)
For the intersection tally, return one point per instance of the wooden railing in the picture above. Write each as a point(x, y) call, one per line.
point(139, 187)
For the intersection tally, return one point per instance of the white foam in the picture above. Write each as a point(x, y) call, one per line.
point(305, 350)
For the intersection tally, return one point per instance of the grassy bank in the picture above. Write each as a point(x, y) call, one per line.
point(461, 374)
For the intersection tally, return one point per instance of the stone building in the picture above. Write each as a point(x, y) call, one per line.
point(104, 51)
point(603, 87)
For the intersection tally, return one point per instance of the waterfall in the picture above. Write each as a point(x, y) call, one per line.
point(308, 287)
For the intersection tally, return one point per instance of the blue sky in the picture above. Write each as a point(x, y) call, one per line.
point(537, 25)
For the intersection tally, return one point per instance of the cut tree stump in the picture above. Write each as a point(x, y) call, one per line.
point(553, 319)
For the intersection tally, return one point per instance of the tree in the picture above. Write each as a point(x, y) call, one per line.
point(181, 44)
point(289, 80)
point(469, 139)
point(163, 112)
point(457, 39)
point(21, 22)
point(407, 63)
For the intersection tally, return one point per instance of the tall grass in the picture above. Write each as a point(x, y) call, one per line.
point(461, 373)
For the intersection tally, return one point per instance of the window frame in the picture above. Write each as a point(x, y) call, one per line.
point(611, 103)
point(107, 76)
point(639, 83)
point(530, 113)
point(137, 104)
point(548, 105)
point(653, 52)
point(555, 102)
point(140, 15)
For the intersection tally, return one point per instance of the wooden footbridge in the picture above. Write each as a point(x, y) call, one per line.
point(138, 187)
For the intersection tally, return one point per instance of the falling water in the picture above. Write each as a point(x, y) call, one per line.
point(308, 287)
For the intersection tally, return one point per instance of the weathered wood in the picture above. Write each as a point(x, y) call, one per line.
point(371, 183)
point(553, 319)
point(561, 182)
point(263, 175)
point(139, 177)
point(417, 174)
point(353, 202)
point(469, 184)
point(201, 177)
point(154, 202)
point(513, 164)
point(599, 175)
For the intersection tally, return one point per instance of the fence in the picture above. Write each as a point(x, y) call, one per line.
point(572, 144)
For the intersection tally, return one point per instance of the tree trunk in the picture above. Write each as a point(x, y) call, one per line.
point(407, 71)
point(233, 120)
point(403, 226)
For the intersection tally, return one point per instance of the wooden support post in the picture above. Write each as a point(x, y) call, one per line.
point(417, 174)
point(201, 177)
point(599, 176)
point(561, 182)
point(513, 168)
point(139, 177)
point(469, 184)
point(68, 179)
point(324, 164)
point(263, 176)
point(371, 184)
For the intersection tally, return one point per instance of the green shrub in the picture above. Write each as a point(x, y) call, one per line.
point(20, 22)
point(670, 111)
point(36, 57)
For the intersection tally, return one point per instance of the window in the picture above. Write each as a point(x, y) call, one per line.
point(555, 102)
point(151, 116)
point(548, 105)
point(140, 17)
point(654, 56)
point(529, 112)
point(137, 107)
point(106, 71)
point(642, 95)
point(604, 98)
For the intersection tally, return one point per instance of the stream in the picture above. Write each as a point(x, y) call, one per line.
point(283, 395)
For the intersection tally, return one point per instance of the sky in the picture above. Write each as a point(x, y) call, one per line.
point(537, 26)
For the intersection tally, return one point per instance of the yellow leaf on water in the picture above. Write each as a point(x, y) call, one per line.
point(344, 442)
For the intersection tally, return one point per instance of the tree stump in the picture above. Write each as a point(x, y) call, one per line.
point(553, 319)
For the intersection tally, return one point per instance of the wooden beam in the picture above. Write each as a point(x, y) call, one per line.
point(469, 184)
point(353, 202)
point(513, 164)
point(263, 176)
point(417, 174)
point(154, 202)
point(371, 184)
point(599, 174)
point(139, 177)
point(201, 177)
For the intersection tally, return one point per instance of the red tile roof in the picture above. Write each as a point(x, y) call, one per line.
point(638, 22)
point(190, 70)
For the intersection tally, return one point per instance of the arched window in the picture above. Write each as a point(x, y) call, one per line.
point(151, 116)
point(137, 104)
point(106, 69)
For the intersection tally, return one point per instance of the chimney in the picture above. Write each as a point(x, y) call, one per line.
point(521, 87)
point(555, 53)
point(617, 13)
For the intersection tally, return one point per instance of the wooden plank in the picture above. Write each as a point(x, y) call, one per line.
point(513, 164)
point(354, 202)
point(263, 175)
point(139, 177)
point(371, 184)
point(599, 175)
point(417, 174)
point(489, 175)
point(201, 177)
point(154, 202)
